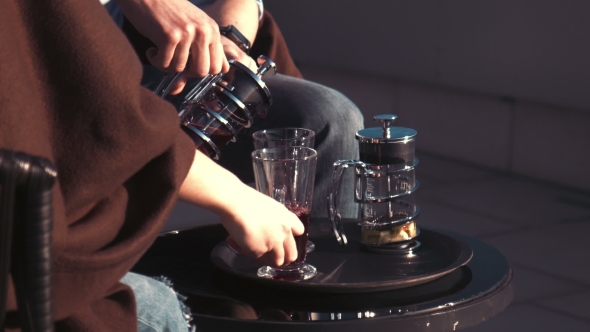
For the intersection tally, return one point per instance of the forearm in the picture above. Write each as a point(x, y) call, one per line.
point(258, 226)
point(210, 186)
point(243, 14)
point(132, 5)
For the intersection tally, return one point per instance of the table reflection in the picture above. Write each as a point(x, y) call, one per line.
point(469, 294)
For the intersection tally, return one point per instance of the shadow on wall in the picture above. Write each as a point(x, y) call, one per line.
point(530, 139)
point(527, 50)
point(497, 84)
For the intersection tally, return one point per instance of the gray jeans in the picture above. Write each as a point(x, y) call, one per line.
point(299, 103)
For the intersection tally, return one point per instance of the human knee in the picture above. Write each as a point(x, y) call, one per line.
point(337, 109)
point(350, 113)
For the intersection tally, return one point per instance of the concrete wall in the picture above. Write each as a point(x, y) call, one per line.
point(502, 84)
point(537, 50)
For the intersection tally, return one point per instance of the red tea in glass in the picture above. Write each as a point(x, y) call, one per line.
point(287, 174)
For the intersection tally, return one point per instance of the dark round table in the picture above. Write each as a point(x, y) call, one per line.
point(220, 301)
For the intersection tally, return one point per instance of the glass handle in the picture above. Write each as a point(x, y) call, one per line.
point(166, 84)
point(333, 213)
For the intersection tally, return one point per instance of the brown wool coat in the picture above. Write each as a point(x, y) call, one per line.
point(70, 92)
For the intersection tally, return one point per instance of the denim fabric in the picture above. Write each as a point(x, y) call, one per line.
point(298, 103)
point(203, 3)
point(159, 308)
point(115, 12)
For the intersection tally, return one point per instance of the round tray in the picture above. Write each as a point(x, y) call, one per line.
point(352, 269)
point(462, 298)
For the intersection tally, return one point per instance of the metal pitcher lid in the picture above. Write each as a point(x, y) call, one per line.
point(385, 133)
point(266, 64)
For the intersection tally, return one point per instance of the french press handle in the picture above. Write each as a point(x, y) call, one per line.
point(333, 212)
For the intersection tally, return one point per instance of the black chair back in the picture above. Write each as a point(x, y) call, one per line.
point(26, 222)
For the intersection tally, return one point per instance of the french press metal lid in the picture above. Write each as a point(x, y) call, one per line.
point(386, 145)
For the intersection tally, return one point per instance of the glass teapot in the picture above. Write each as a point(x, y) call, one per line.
point(384, 186)
point(221, 105)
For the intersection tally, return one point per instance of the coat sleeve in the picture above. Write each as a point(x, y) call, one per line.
point(71, 93)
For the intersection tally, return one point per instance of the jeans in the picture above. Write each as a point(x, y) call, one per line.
point(298, 103)
point(159, 307)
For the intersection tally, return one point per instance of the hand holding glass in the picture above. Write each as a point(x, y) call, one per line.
point(287, 174)
point(284, 137)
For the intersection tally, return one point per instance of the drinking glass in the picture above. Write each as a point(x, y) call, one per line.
point(281, 137)
point(287, 174)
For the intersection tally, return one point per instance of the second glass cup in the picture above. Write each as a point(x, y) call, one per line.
point(287, 174)
point(284, 137)
point(279, 137)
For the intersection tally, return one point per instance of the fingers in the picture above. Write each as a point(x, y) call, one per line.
point(233, 244)
point(280, 254)
point(184, 35)
point(219, 62)
point(297, 227)
point(181, 57)
point(287, 251)
point(265, 235)
point(162, 56)
point(224, 65)
point(178, 85)
point(207, 57)
point(197, 51)
point(200, 58)
point(232, 51)
point(275, 257)
point(290, 249)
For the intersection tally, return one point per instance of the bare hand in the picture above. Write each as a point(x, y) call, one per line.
point(263, 229)
point(184, 35)
point(232, 51)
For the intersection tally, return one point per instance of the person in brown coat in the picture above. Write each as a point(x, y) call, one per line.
point(71, 93)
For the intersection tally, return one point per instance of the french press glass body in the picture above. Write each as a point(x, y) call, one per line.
point(221, 105)
point(385, 186)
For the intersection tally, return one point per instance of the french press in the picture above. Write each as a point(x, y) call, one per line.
point(221, 105)
point(384, 186)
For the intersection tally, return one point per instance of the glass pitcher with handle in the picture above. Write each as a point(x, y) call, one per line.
point(220, 106)
point(384, 186)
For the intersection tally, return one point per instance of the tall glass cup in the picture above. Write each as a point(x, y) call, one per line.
point(278, 137)
point(281, 137)
point(287, 174)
